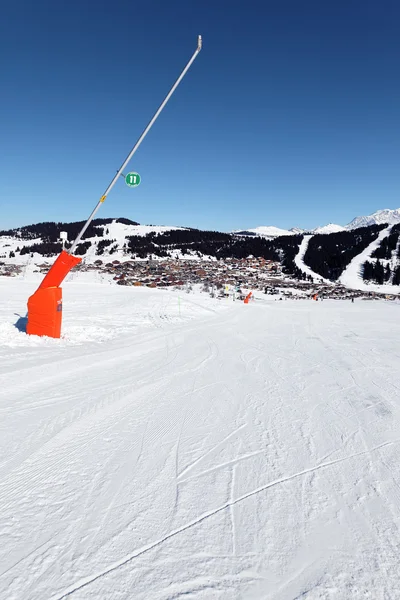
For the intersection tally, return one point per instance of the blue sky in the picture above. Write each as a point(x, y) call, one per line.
point(289, 116)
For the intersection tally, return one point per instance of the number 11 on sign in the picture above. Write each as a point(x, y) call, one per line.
point(132, 179)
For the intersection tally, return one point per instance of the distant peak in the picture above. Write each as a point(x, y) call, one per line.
point(386, 215)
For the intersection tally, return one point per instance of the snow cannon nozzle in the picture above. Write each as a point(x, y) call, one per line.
point(199, 43)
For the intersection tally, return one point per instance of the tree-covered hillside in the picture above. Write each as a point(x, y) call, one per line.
point(329, 255)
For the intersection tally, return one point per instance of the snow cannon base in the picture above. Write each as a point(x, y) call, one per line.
point(45, 305)
point(45, 312)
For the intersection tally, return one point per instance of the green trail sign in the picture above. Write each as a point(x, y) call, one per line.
point(132, 179)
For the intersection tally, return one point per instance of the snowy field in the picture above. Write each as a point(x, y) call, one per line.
point(175, 446)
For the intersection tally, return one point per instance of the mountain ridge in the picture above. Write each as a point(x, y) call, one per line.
point(386, 215)
point(327, 253)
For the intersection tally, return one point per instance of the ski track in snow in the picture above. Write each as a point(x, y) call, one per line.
point(229, 451)
point(136, 553)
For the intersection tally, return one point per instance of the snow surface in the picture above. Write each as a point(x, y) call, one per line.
point(299, 261)
point(174, 446)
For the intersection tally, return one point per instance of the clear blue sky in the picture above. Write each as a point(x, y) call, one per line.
point(289, 116)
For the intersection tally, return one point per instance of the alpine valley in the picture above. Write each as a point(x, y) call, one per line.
point(361, 255)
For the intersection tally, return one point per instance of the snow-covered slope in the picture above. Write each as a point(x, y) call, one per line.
point(9, 245)
point(378, 218)
point(115, 231)
point(230, 451)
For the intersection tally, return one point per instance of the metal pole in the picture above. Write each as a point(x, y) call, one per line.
point(136, 146)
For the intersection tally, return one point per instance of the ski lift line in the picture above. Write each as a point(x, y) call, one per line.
point(136, 146)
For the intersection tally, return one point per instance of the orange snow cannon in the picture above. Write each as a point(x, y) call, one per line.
point(58, 272)
point(45, 305)
point(246, 300)
point(45, 312)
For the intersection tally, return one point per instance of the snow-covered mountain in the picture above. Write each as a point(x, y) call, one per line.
point(379, 217)
point(104, 238)
point(267, 231)
point(271, 232)
point(330, 228)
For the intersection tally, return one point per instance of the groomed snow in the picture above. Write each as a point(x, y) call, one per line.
point(172, 445)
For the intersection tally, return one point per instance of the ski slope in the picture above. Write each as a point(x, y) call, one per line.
point(174, 446)
point(299, 261)
point(352, 275)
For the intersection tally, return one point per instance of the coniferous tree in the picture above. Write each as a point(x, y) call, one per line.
point(379, 272)
point(368, 271)
point(386, 247)
point(387, 273)
point(396, 276)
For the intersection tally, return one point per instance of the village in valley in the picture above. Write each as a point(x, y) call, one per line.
point(229, 277)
